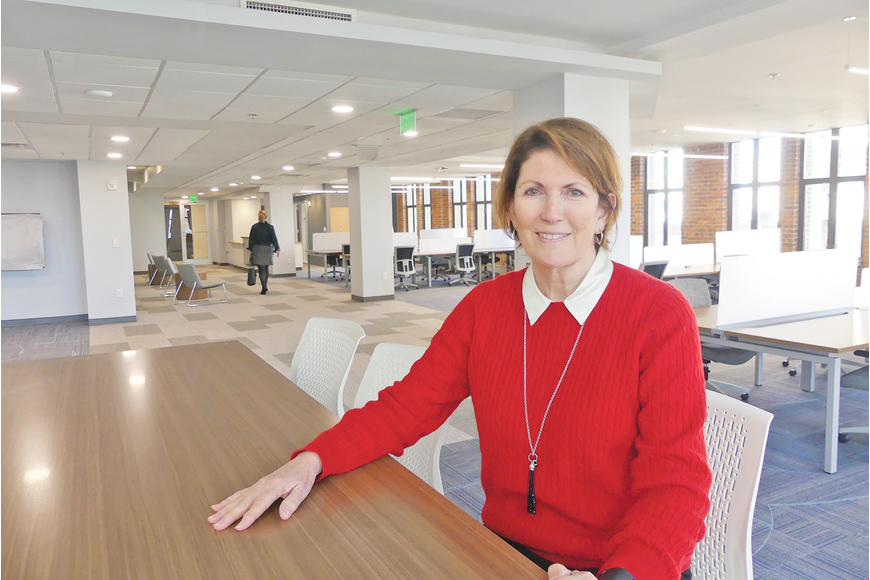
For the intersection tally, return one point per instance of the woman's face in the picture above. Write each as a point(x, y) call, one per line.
point(556, 213)
point(261, 217)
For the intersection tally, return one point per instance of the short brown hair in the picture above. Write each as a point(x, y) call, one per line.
point(582, 146)
point(262, 212)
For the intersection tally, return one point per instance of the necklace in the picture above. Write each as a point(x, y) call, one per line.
point(533, 457)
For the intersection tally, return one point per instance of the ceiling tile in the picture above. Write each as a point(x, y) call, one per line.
point(207, 100)
point(188, 112)
point(95, 60)
point(445, 96)
point(19, 153)
point(27, 88)
point(58, 141)
point(318, 78)
point(73, 71)
point(202, 81)
point(10, 133)
point(100, 107)
point(278, 87)
point(167, 144)
point(15, 102)
point(243, 115)
point(370, 93)
point(212, 68)
point(24, 67)
point(283, 105)
point(119, 93)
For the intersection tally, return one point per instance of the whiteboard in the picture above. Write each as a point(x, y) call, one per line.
point(23, 246)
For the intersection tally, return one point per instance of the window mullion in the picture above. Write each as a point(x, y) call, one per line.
point(832, 189)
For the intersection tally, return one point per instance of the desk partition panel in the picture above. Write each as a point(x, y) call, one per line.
point(784, 287)
point(329, 241)
point(441, 233)
point(404, 239)
point(680, 256)
point(748, 243)
point(497, 238)
point(441, 245)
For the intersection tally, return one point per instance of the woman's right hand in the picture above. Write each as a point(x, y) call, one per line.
point(293, 481)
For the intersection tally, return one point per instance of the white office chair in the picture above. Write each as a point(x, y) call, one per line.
point(464, 264)
point(322, 360)
point(736, 437)
point(190, 278)
point(390, 363)
point(697, 293)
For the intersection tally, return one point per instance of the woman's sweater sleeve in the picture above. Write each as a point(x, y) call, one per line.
point(670, 477)
point(411, 408)
point(251, 238)
point(274, 238)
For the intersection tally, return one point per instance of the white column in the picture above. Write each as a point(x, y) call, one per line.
point(604, 102)
point(147, 223)
point(106, 241)
point(371, 233)
point(279, 208)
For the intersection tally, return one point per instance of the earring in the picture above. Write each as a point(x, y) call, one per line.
point(599, 237)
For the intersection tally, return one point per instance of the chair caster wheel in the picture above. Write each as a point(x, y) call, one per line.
point(792, 373)
point(843, 438)
point(744, 397)
point(785, 363)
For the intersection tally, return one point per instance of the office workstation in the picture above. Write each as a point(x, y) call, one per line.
point(264, 129)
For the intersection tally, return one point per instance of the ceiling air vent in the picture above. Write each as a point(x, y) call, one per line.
point(302, 9)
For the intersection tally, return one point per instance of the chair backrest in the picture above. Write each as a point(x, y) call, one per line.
point(322, 360)
point(150, 257)
point(170, 265)
point(160, 263)
point(390, 363)
point(736, 436)
point(654, 269)
point(189, 275)
point(345, 249)
point(695, 290)
point(404, 259)
point(464, 260)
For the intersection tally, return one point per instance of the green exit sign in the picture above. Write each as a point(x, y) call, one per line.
point(193, 198)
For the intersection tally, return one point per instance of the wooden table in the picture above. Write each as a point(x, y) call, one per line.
point(110, 463)
point(822, 340)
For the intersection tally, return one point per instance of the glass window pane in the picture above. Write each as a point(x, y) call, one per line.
point(816, 217)
point(457, 216)
point(769, 152)
point(768, 207)
point(850, 215)
point(410, 198)
point(427, 218)
point(742, 153)
point(817, 155)
point(456, 192)
point(675, 170)
point(675, 218)
point(427, 196)
point(656, 234)
point(741, 216)
point(853, 152)
point(412, 220)
point(655, 171)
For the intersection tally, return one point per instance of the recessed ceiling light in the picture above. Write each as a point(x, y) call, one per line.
point(342, 109)
point(8, 89)
point(334, 154)
point(256, 177)
point(855, 69)
point(120, 139)
point(772, 76)
point(410, 134)
point(131, 167)
point(115, 155)
point(215, 189)
point(339, 186)
point(184, 197)
point(288, 168)
point(233, 184)
point(99, 93)
point(848, 19)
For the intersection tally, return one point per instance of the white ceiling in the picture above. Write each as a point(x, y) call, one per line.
point(215, 94)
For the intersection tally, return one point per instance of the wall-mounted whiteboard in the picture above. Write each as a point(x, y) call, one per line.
point(23, 246)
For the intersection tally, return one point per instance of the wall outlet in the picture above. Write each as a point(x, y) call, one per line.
point(386, 275)
point(116, 242)
point(120, 293)
point(112, 185)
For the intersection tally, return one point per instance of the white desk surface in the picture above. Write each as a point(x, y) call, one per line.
point(837, 334)
point(694, 270)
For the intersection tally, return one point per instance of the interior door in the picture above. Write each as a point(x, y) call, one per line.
point(195, 234)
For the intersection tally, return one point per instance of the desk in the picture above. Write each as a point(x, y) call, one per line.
point(820, 340)
point(693, 271)
point(110, 463)
point(492, 251)
point(325, 255)
point(429, 256)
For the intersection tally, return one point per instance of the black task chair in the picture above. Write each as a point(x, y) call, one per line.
point(464, 264)
point(857, 379)
point(654, 269)
point(698, 294)
point(405, 267)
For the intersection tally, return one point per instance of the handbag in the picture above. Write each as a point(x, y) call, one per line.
point(252, 275)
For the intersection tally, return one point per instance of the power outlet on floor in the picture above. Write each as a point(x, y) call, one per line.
point(120, 293)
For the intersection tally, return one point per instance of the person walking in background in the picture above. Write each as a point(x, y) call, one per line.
point(261, 243)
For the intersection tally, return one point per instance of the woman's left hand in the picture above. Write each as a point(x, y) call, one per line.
point(278, 254)
point(560, 571)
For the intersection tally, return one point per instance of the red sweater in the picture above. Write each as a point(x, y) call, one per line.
point(622, 476)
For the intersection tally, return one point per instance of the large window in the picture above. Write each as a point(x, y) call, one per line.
point(832, 188)
point(664, 198)
point(753, 198)
point(483, 197)
point(460, 200)
point(427, 206)
point(411, 207)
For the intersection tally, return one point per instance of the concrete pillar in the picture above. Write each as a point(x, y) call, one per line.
point(371, 233)
point(278, 202)
point(604, 102)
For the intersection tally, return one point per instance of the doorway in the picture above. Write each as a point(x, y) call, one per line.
point(186, 233)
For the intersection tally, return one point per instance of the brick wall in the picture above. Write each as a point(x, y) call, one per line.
point(638, 171)
point(789, 193)
point(705, 194)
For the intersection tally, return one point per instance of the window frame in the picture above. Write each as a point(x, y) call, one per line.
point(755, 184)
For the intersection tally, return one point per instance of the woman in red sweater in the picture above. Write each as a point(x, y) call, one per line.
point(586, 378)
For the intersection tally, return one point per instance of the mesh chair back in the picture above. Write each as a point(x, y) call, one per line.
point(695, 290)
point(464, 257)
point(654, 269)
point(322, 360)
point(390, 363)
point(736, 436)
point(405, 260)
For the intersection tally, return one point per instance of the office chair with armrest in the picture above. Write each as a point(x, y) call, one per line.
point(464, 264)
point(405, 267)
point(857, 379)
point(322, 360)
point(190, 278)
point(736, 436)
point(698, 295)
point(654, 269)
point(390, 363)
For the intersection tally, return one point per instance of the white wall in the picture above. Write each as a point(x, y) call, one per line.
point(106, 240)
point(244, 214)
point(49, 188)
point(146, 227)
point(279, 207)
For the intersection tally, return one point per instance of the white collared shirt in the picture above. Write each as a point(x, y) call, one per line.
point(584, 298)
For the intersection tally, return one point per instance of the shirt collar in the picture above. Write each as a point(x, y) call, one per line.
point(584, 298)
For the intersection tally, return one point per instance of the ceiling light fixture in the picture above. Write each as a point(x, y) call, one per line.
point(8, 89)
point(233, 184)
point(115, 155)
point(184, 197)
point(99, 93)
point(855, 69)
point(120, 139)
point(334, 154)
point(131, 167)
point(481, 165)
point(849, 19)
point(339, 186)
point(215, 189)
point(288, 168)
point(256, 177)
point(342, 109)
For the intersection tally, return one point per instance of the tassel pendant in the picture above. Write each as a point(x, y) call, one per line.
point(531, 499)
